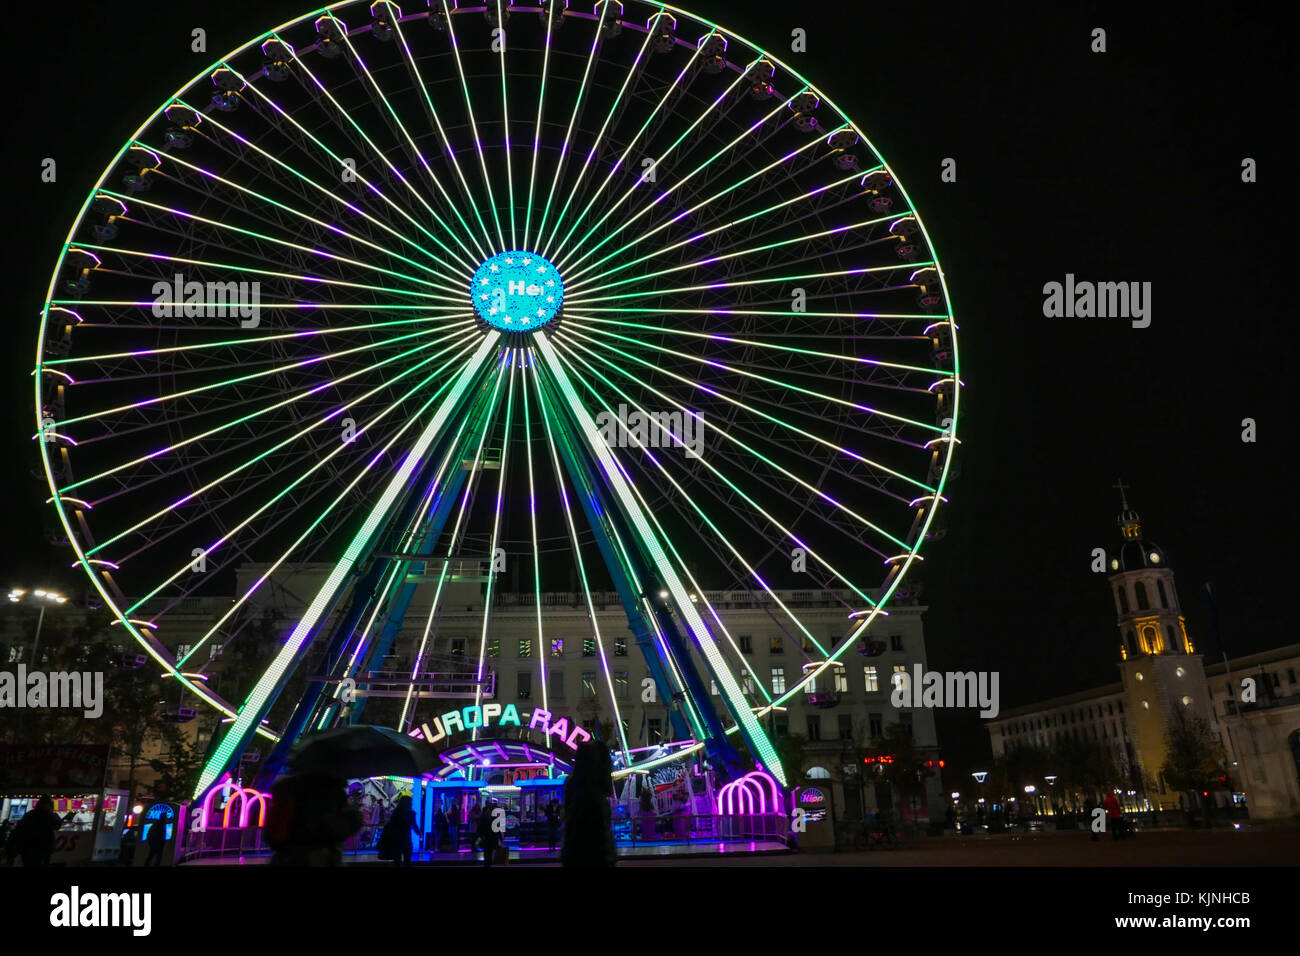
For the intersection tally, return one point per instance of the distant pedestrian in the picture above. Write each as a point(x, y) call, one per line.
point(552, 821)
point(588, 838)
point(486, 833)
point(475, 812)
point(1114, 816)
point(156, 840)
point(308, 820)
point(126, 850)
point(33, 837)
point(395, 840)
point(441, 829)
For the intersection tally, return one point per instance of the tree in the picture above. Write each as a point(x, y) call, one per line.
point(1193, 758)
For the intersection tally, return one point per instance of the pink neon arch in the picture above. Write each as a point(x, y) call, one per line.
point(755, 792)
point(247, 796)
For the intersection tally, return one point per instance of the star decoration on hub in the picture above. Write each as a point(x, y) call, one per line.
point(517, 291)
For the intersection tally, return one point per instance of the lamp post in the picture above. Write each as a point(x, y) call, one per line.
point(44, 597)
point(980, 776)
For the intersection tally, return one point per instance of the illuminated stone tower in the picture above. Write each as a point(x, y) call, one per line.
point(1163, 676)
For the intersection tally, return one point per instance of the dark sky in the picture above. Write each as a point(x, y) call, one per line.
point(1116, 166)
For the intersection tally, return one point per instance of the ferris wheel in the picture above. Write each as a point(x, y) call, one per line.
point(610, 291)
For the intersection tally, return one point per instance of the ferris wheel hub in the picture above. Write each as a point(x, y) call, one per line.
point(517, 291)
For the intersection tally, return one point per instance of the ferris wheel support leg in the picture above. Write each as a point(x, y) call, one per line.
point(629, 583)
point(272, 680)
point(626, 504)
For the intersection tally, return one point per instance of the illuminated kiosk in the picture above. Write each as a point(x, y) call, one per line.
point(74, 777)
point(626, 302)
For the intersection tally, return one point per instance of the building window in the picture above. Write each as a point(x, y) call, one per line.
point(905, 718)
point(746, 644)
point(15, 652)
point(655, 729)
point(524, 681)
point(814, 727)
point(782, 726)
point(214, 650)
point(588, 685)
point(871, 678)
point(899, 678)
point(620, 685)
point(776, 645)
point(557, 647)
point(1164, 598)
point(556, 679)
point(1123, 599)
point(588, 647)
point(493, 647)
point(747, 682)
point(896, 642)
point(845, 728)
point(875, 725)
point(620, 647)
point(1141, 590)
point(713, 688)
point(458, 647)
point(1173, 638)
point(1290, 675)
point(525, 647)
point(841, 680)
point(778, 680)
point(182, 650)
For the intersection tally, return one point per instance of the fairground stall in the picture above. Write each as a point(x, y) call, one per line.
point(73, 776)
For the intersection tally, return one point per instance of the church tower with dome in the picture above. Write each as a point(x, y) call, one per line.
point(1163, 676)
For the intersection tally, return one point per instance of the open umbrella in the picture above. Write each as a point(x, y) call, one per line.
point(362, 750)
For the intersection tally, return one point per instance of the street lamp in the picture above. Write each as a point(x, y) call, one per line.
point(44, 597)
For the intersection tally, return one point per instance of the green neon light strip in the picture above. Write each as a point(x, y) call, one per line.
point(505, 114)
point(469, 108)
point(242, 419)
point(576, 273)
point(265, 373)
point(329, 591)
point(548, 415)
point(532, 182)
point(748, 282)
point(753, 731)
point(589, 321)
point(414, 70)
point(420, 386)
point(568, 134)
point(285, 491)
point(749, 408)
point(631, 143)
point(725, 538)
point(613, 108)
point(351, 207)
point(542, 649)
point(929, 317)
point(216, 224)
point(470, 260)
point(582, 284)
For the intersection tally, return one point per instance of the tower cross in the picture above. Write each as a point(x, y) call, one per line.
point(1119, 483)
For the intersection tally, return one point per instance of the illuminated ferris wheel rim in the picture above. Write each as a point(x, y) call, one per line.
point(93, 566)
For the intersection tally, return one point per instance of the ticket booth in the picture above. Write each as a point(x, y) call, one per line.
point(818, 820)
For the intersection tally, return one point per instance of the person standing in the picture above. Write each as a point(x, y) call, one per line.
point(395, 840)
point(441, 830)
point(33, 837)
point(486, 832)
point(588, 838)
point(309, 819)
point(1114, 816)
point(552, 821)
point(156, 840)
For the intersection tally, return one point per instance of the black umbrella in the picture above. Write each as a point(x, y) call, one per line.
point(363, 750)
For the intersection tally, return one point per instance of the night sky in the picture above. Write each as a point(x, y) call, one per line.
point(1123, 166)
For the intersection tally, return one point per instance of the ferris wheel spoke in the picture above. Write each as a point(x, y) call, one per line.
point(346, 204)
point(551, 425)
point(465, 256)
point(418, 78)
point(757, 508)
point(674, 89)
point(784, 163)
point(253, 709)
point(578, 104)
point(473, 125)
point(319, 462)
point(631, 72)
point(212, 387)
point(721, 228)
point(160, 453)
point(505, 122)
point(532, 176)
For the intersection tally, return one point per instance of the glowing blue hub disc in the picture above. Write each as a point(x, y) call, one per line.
point(517, 291)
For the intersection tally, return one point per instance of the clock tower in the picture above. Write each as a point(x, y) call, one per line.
point(1163, 677)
